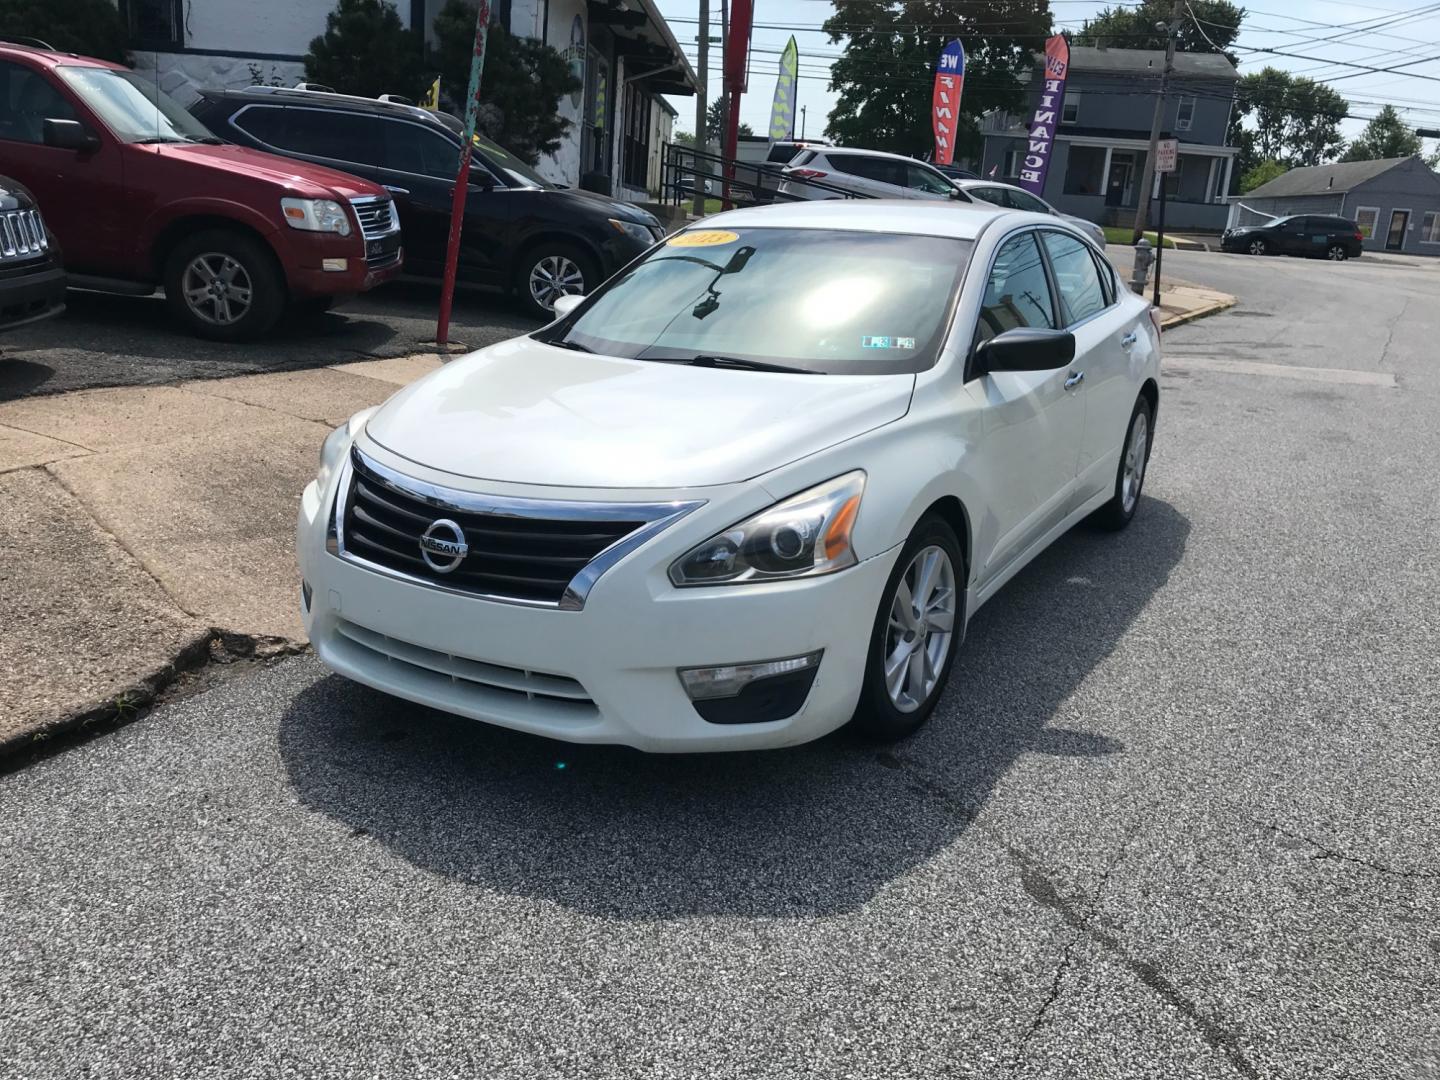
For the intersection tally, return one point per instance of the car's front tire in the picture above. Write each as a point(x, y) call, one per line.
point(551, 270)
point(916, 635)
point(1257, 247)
point(224, 285)
point(1130, 473)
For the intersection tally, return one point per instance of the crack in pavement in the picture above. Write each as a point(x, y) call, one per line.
point(1042, 889)
point(1390, 330)
point(1325, 852)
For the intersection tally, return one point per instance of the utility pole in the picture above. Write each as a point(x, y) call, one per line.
point(702, 169)
point(1142, 209)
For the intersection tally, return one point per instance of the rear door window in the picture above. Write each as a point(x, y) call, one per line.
point(1017, 293)
point(882, 170)
point(339, 136)
point(1076, 277)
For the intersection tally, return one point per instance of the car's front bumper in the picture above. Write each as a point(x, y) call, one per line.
point(607, 673)
point(31, 293)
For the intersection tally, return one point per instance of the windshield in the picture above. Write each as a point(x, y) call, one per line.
point(134, 108)
point(829, 302)
point(500, 159)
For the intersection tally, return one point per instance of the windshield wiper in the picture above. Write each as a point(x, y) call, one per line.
point(208, 140)
point(573, 346)
point(748, 365)
point(159, 139)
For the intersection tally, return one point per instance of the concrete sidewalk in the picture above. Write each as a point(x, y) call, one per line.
point(144, 529)
point(141, 527)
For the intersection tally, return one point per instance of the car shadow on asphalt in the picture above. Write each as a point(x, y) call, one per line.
point(817, 829)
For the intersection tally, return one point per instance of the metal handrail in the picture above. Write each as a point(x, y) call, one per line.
point(743, 183)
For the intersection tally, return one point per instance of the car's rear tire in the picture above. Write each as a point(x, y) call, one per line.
point(225, 285)
point(1130, 473)
point(920, 647)
point(1257, 247)
point(550, 270)
point(1338, 253)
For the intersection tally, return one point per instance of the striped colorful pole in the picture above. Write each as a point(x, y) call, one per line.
point(462, 178)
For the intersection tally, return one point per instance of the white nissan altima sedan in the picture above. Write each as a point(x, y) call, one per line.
point(751, 489)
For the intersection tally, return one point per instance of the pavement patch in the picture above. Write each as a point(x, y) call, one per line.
point(1342, 376)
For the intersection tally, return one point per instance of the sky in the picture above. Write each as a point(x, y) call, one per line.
point(1374, 33)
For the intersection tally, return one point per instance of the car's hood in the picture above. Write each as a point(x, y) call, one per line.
point(528, 413)
point(603, 204)
point(307, 180)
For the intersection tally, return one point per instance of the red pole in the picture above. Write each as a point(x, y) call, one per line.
point(462, 178)
point(741, 13)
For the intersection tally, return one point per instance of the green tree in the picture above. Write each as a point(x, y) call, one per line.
point(366, 50)
point(885, 78)
point(88, 27)
point(715, 122)
point(1384, 137)
point(684, 138)
point(1205, 26)
point(1291, 119)
point(520, 89)
point(1262, 173)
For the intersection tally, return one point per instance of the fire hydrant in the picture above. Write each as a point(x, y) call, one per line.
point(1141, 272)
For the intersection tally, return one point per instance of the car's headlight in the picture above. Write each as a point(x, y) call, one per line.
point(638, 233)
point(337, 445)
point(316, 215)
point(803, 536)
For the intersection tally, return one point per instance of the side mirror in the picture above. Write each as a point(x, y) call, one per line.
point(1025, 349)
point(68, 135)
point(567, 303)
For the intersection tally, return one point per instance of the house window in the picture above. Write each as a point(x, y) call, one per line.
point(1430, 228)
point(1070, 109)
point(154, 24)
point(1012, 162)
point(1185, 114)
point(1366, 218)
point(1085, 170)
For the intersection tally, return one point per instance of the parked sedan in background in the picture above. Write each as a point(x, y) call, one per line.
point(870, 174)
point(1015, 198)
point(1311, 235)
point(521, 232)
point(751, 489)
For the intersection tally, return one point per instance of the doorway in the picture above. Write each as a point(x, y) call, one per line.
point(1399, 223)
point(1119, 182)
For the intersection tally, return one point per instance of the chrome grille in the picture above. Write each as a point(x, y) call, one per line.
point(377, 217)
point(504, 689)
point(22, 235)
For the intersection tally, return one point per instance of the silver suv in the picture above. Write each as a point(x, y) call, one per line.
point(869, 173)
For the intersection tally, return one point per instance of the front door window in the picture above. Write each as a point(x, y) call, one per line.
point(1399, 222)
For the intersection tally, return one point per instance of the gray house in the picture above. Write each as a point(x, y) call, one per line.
point(1395, 201)
point(1103, 137)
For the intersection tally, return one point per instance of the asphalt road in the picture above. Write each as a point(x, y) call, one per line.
point(1178, 815)
point(106, 340)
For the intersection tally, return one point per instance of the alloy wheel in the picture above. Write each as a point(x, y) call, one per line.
point(1338, 254)
point(217, 288)
point(921, 628)
point(1257, 247)
point(1135, 455)
point(552, 277)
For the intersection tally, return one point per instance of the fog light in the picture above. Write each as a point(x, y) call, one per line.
point(335, 264)
point(757, 693)
point(727, 681)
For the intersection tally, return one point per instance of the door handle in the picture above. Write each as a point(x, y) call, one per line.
point(1074, 380)
point(397, 190)
point(1128, 341)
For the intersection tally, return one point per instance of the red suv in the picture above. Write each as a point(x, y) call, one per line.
point(140, 193)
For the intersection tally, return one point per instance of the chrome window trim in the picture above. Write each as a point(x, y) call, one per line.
point(656, 518)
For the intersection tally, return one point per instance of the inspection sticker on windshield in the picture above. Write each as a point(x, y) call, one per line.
point(887, 342)
point(703, 238)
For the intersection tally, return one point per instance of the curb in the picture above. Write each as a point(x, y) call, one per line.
point(1172, 321)
point(213, 647)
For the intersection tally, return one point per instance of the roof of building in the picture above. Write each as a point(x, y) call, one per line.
point(1324, 179)
point(923, 217)
point(1147, 61)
